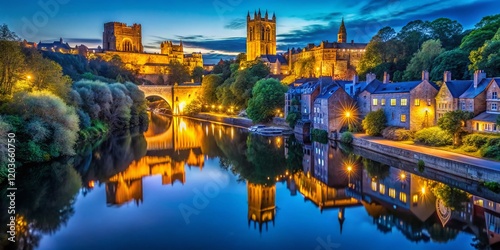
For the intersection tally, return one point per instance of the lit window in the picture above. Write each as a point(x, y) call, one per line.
point(392, 192)
point(415, 198)
point(382, 101)
point(403, 118)
point(404, 102)
point(382, 188)
point(493, 106)
point(417, 102)
point(393, 102)
point(374, 186)
point(402, 197)
point(375, 102)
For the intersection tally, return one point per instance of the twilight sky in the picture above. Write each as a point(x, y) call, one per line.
point(217, 27)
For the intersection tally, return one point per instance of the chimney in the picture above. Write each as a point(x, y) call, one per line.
point(425, 75)
point(355, 79)
point(370, 77)
point(479, 75)
point(447, 76)
point(387, 77)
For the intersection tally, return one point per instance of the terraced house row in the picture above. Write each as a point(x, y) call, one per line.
point(412, 105)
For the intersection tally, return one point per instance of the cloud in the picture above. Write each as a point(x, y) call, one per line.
point(236, 24)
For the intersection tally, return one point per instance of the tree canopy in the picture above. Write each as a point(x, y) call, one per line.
point(268, 95)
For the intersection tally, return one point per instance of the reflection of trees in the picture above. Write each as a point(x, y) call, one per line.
point(452, 197)
point(112, 156)
point(442, 234)
point(295, 154)
point(44, 201)
point(375, 169)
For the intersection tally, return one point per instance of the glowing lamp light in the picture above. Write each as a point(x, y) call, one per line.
point(28, 77)
point(348, 114)
point(403, 176)
point(349, 168)
point(423, 190)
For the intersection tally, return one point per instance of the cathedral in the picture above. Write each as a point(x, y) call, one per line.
point(339, 59)
point(126, 42)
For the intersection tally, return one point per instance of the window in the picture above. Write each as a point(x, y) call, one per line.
point(417, 102)
point(463, 105)
point(392, 192)
point(402, 197)
point(375, 102)
point(404, 102)
point(374, 186)
point(494, 95)
point(415, 198)
point(382, 101)
point(403, 118)
point(494, 106)
point(382, 188)
point(393, 102)
point(470, 105)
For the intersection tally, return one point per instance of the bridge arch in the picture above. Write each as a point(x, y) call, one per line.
point(177, 97)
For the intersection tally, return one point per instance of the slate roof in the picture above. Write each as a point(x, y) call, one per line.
point(56, 45)
point(273, 58)
point(328, 91)
point(457, 88)
point(399, 87)
point(472, 92)
point(486, 117)
point(371, 86)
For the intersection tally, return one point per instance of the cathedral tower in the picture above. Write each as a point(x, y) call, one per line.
point(261, 204)
point(342, 35)
point(120, 37)
point(261, 35)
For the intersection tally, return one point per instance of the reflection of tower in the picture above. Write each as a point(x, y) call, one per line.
point(123, 191)
point(261, 204)
point(341, 218)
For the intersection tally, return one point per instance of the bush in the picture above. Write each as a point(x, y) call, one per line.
point(477, 140)
point(469, 149)
point(346, 137)
point(491, 152)
point(397, 134)
point(292, 118)
point(421, 166)
point(374, 122)
point(319, 135)
point(434, 136)
point(493, 186)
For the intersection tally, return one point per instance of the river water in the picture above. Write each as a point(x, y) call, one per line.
point(188, 184)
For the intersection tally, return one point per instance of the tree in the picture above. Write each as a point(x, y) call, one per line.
point(294, 113)
point(374, 122)
point(448, 31)
point(11, 65)
point(268, 95)
point(209, 87)
point(412, 35)
point(487, 57)
point(484, 31)
point(197, 74)
point(455, 61)
point(6, 34)
point(177, 73)
point(453, 122)
point(423, 59)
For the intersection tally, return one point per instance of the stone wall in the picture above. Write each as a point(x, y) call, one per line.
point(467, 171)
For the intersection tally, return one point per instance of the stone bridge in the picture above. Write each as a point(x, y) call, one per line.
point(177, 96)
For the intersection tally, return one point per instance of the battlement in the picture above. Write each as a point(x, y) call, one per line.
point(257, 16)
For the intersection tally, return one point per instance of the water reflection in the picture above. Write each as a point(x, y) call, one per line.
point(278, 175)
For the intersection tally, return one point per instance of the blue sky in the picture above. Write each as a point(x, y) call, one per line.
point(217, 27)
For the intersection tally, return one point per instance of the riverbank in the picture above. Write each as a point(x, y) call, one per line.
point(464, 166)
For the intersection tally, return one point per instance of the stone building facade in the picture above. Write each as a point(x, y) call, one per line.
point(328, 113)
point(487, 121)
point(120, 37)
point(261, 35)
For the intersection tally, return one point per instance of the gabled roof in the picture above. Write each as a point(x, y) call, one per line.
point(472, 92)
point(486, 117)
point(274, 58)
point(328, 91)
point(399, 87)
point(371, 86)
point(458, 87)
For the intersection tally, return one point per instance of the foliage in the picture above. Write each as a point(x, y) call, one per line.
point(5, 128)
point(493, 186)
point(347, 137)
point(421, 166)
point(319, 135)
point(292, 118)
point(11, 66)
point(177, 73)
point(93, 132)
point(433, 136)
point(193, 107)
point(453, 121)
point(45, 126)
point(295, 154)
point(397, 134)
point(423, 59)
point(374, 122)
point(456, 61)
point(484, 31)
point(487, 57)
point(265, 161)
point(452, 198)
point(197, 74)
point(449, 32)
point(268, 95)
point(209, 88)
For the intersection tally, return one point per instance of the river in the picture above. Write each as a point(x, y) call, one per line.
point(186, 184)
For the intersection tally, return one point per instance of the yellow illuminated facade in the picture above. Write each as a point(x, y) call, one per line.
point(261, 204)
